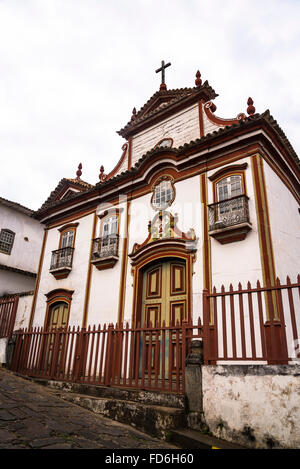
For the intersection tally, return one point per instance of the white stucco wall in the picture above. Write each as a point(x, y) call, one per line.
point(12, 282)
point(77, 278)
point(188, 208)
point(105, 284)
point(3, 343)
point(23, 311)
point(257, 406)
point(25, 254)
point(182, 127)
point(285, 226)
point(239, 261)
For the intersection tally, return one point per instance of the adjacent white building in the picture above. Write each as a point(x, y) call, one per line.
point(20, 247)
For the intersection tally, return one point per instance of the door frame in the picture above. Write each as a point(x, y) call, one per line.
point(58, 295)
point(154, 252)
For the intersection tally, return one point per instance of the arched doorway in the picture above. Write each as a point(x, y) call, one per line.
point(58, 315)
point(164, 292)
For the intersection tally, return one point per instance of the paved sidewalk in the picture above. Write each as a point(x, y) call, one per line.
point(31, 417)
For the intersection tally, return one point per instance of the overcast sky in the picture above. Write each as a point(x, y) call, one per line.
point(71, 72)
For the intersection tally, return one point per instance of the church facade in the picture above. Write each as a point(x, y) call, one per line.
point(195, 202)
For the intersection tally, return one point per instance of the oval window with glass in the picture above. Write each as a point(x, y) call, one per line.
point(163, 194)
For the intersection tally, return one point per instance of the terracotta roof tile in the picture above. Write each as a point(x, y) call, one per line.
point(14, 205)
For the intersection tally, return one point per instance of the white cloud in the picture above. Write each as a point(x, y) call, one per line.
point(72, 70)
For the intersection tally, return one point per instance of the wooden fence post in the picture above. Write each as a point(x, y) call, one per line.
point(206, 344)
point(109, 355)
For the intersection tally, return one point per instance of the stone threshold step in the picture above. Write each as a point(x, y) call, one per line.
point(142, 396)
point(192, 439)
point(152, 419)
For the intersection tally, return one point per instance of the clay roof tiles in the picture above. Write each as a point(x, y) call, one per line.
point(210, 136)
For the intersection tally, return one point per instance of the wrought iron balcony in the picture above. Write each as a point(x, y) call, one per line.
point(230, 216)
point(105, 252)
point(61, 262)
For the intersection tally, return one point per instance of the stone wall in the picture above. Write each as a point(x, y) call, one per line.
point(254, 405)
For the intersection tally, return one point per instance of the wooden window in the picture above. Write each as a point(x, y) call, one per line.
point(228, 188)
point(6, 241)
point(109, 234)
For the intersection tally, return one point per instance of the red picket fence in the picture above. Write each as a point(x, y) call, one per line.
point(8, 310)
point(257, 324)
point(145, 357)
point(252, 325)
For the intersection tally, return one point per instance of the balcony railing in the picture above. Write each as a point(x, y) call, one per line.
point(104, 247)
point(62, 258)
point(228, 213)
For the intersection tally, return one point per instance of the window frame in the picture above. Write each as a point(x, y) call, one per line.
point(155, 186)
point(65, 229)
point(10, 245)
point(226, 176)
point(113, 213)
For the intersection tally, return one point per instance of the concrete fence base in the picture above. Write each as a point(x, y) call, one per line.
point(256, 405)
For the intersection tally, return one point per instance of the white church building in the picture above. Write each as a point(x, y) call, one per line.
point(193, 235)
point(195, 201)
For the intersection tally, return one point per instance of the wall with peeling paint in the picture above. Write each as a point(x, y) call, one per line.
point(253, 405)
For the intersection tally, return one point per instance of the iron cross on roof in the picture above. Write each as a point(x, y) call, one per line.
point(162, 70)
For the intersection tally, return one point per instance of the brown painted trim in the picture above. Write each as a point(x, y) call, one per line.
point(59, 292)
point(67, 227)
point(124, 266)
point(110, 212)
point(264, 231)
point(232, 173)
point(37, 284)
point(179, 173)
point(56, 296)
point(195, 167)
point(119, 164)
point(160, 255)
point(71, 218)
point(206, 238)
point(227, 170)
point(89, 275)
point(219, 120)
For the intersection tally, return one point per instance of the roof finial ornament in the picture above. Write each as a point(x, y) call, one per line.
point(102, 176)
point(198, 81)
point(133, 114)
point(79, 172)
point(163, 86)
point(250, 108)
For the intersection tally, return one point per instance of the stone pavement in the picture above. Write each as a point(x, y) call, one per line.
point(31, 417)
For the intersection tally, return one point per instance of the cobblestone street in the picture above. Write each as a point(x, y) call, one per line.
point(32, 417)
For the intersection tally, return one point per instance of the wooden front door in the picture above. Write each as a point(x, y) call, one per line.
point(58, 315)
point(164, 293)
point(55, 341)
point(164, 302)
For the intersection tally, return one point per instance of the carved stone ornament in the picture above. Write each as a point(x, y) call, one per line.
point(164, 227)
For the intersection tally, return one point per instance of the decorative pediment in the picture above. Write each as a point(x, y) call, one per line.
point(164, 228)
point(163, 103)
